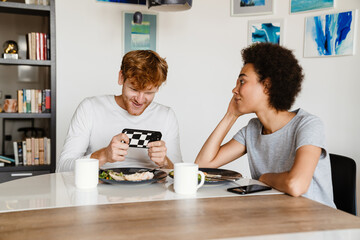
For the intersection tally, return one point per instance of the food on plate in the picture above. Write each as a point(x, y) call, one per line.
point(171, 174)
point(119, 176)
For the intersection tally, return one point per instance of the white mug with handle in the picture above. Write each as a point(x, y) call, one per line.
point(186, 178)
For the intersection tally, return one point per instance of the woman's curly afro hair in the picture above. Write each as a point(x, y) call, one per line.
point(279, 65)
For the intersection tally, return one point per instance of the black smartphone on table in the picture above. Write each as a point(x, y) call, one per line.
point(249, 189)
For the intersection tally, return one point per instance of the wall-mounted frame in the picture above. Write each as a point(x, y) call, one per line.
point(330, 34)
point(139, 36)
point(139, 2)
point(269, 30)
point(251, 7)
point(299, 6)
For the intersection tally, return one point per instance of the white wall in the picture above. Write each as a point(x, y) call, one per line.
point(202, 47)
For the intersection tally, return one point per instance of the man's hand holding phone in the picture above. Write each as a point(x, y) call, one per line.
point(117, 148)
point(157, 152)
point(115, 151)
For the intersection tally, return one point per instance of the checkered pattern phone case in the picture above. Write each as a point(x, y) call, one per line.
point(140, 138)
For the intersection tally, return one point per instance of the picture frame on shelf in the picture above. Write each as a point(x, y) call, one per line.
point(269, 30)
point(241, 8)
point(330, 34)
point(140, 36)
point(299, 6)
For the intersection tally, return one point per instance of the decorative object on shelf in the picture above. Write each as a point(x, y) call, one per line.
point(10, 50)
point(140, 36)
point(270, 30)
point(10, 105)
point(169, 5)
point(297, 6)
point(330, 34)
point(251, 7)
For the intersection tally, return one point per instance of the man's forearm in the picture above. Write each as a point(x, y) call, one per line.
point(100, 155)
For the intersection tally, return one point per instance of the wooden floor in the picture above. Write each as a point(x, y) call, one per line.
point(178, 219)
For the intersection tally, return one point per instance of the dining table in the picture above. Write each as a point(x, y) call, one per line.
point(51, 207)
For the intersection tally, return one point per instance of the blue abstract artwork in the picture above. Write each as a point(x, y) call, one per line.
point(250, 3)
point(309, 5)
point(330, 35)
point(265, 31)
point(251, 7)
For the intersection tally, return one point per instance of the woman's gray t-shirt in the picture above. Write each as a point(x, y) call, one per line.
point(275, 153)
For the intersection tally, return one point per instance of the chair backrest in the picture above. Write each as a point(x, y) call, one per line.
point(343, 171)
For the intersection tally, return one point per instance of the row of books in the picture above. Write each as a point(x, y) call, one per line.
point(38, 46)
point(34, 101)
point(32, 151)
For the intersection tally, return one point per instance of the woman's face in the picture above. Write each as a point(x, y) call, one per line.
point(249, 94)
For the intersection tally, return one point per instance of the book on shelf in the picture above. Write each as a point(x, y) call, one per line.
point(24, 152)
point(36, 153)
point(28, 151)
point(47, 151)
point(34, 101)
point(20, 153)
point(31, 151)
point(41, 151)
point(6, 159)
point(38, 46)
point(20, 101)
point(16, 154)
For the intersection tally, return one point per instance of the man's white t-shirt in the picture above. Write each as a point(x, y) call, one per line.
point(98, 119)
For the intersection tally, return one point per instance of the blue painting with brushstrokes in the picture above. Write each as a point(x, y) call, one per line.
point(308, 5)
point(252, 3)
point(329, 35)
point(265, 32)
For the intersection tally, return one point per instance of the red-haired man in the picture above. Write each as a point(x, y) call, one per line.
point(95, 129)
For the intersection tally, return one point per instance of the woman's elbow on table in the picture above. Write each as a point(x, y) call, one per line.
point(295, 187)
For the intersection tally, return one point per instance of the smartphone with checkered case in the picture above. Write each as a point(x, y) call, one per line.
point(140, 138)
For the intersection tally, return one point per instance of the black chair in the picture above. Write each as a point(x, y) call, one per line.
point(343, 171)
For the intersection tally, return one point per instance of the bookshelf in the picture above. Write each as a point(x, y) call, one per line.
point(14, 11)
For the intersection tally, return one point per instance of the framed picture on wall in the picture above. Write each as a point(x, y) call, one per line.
point(297, 6)
point(140, 36)
point(330, 34)
point(266, 31)
point(139, 2)
point(251, 7)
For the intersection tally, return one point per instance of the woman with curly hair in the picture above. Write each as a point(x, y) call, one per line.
point(286, 149)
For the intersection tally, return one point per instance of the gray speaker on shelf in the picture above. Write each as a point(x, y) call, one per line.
point(169, 5)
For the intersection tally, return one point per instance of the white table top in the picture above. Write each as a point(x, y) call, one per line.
point(58, 190)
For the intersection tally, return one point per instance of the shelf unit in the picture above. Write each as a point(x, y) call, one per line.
point(13, 172)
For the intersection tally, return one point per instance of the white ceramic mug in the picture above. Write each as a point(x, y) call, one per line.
point(86, 173)
point(186, 178)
